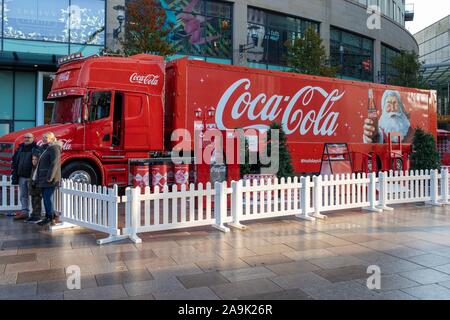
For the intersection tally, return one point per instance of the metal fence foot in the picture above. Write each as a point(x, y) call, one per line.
point(305, 217)
point(62, 226)
point(221, 228)
point(320, 216)
point(372, 209)
point(135, 238)
point(436, 204)
point(386, 208)
point(111, 238)
point(239, 226)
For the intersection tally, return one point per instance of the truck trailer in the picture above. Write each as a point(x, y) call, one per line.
point(111, 112)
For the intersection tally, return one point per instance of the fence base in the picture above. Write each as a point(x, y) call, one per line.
point(320, 216)
point(238, 225)
point(372, 209)
point(221, 228)
point(305, 217)
point(385, 208)
point(435, 204)
point(63, 226)
point(112, 238)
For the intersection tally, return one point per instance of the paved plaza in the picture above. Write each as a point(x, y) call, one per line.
point(274, 259)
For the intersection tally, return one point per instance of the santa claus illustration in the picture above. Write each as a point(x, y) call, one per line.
point(393, 119)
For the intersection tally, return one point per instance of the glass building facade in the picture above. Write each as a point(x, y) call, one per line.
point(356, 58)
point(388, 72)
point(201, 29)
point(267, 34)
point(33, 35)
point(393, 9)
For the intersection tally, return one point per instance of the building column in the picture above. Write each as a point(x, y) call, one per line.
point(325, 26)
point(239, 31)
point(377, 60)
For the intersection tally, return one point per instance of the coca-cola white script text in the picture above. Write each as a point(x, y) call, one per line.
point(149, 79)
point(296, 113)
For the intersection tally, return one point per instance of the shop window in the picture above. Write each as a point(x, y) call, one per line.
point(52, 25)
point(87, 21)
point(20, 125)
point(200, 28)
point(5, 128)
point(25, 96)
point(267, 34)
point(6, 94)
point(357, 56)
point(36, 20)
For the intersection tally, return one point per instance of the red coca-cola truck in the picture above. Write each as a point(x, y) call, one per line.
point(112, 110)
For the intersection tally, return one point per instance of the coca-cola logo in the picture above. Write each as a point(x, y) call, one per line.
point(296, 112)
point(149, 79)
point(66, 144)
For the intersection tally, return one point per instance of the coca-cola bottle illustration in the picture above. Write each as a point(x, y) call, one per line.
point(373, 114)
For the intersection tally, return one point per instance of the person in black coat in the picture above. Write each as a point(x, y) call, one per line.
point(48, 174)
point(21, 172)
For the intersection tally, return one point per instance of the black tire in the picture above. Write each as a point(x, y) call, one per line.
point(84, 169)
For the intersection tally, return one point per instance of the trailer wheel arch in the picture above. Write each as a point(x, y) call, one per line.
point(84, 164)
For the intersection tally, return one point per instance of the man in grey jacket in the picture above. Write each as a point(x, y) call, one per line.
point(21, 171)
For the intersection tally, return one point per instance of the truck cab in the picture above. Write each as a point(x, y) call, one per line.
point(107, 110)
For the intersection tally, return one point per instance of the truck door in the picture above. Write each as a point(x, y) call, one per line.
point(99, 120)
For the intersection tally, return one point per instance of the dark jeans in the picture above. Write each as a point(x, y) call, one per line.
point(47, 194)
point(36, 202)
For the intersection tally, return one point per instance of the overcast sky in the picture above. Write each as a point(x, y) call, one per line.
point(426, 13)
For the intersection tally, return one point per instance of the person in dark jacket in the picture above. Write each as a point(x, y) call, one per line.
point(21, 172)
point(49, 174)
point(35, 193)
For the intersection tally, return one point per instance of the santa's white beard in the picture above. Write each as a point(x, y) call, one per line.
point(394, 122)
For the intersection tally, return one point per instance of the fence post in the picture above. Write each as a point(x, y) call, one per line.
point(134, 213)
point(220, 206)
point(382, 191)
point(113, 217)
point(236, 205)
point(444, 187)
point(434, 189)
point(372, 196)
point(317, 202)
point(305, 199)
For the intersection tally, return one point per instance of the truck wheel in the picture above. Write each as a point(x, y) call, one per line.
point(80, 172)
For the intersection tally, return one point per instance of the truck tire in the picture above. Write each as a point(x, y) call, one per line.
point(80, 172)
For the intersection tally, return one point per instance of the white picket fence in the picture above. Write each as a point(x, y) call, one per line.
point(202, 205)
point(89, 206)
point(9, 195)
point(174, 209)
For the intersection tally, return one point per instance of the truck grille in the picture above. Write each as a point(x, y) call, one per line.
point(6, 154)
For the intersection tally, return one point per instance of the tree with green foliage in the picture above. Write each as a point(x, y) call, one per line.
point(408, 67)
point(307, 55)
point(246, 167)
point(285, 167)
point(144, 29)
point(424, 151)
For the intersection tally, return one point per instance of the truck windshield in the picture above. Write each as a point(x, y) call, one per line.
point(67, 110)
